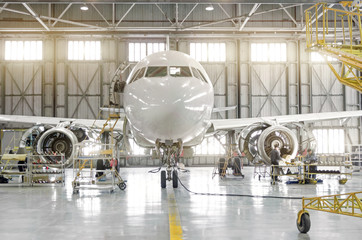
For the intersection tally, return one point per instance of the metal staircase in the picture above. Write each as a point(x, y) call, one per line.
point(337, 33)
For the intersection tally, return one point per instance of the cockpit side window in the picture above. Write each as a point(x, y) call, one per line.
point(156, 72)
point(134, 76)
point(139, 74)
point(180, 71)
point(198, 74)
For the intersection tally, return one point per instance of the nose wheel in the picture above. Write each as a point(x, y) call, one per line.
point(174, 178)
point(163, 179)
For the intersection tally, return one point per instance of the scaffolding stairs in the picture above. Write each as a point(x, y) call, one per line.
point(340, 40)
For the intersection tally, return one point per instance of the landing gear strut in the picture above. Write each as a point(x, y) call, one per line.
point(170, 156)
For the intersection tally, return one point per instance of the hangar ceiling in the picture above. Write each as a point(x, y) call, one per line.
point(142, 17)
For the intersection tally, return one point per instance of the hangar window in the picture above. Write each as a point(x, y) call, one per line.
point(84, 50)
point(268, 52)
point(210, 146)
point(316, 57)
point(208, 52)
point(329, 140)
point(138, 51)
point(23, 50)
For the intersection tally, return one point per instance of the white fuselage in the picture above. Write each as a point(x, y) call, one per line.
point(168, 96)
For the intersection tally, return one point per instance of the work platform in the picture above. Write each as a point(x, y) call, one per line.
point(337, 37)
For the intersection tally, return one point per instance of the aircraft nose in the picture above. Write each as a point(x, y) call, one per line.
point(170, 108)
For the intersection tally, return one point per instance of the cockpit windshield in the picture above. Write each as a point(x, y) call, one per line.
point(198, 74)
point(156, 72)
point(180, 72)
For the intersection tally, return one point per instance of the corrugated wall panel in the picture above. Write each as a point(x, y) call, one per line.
point(23, 88)
point(84, 89)
point(269, 89)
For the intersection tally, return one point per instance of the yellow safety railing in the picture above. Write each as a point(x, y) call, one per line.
point(337, 33)
point(345, 204)
point(349, 204)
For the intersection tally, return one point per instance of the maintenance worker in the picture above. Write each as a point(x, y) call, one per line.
point(275, 157)
point(311, 158)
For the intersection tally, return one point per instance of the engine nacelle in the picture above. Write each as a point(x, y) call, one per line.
point(258, 141)
point(59, 140)
point(287, 140)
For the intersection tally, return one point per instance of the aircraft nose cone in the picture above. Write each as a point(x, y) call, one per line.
point(170, 108)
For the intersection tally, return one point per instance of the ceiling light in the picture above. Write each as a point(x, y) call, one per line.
point(209, 7)
point(84, 7)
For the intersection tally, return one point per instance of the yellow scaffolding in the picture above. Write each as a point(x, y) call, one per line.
point(340, 41)
point(349, 204)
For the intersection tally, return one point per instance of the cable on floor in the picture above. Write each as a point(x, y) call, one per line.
point(235, 194)
point(156, 170)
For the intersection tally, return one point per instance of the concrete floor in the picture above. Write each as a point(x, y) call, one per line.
point(143, 210)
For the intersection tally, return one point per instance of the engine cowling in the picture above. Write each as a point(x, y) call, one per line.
point(59, 140)
point(257, 142)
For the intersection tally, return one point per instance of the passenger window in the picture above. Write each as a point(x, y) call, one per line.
point(180, 72)
point(156, 72)
point(198, 74)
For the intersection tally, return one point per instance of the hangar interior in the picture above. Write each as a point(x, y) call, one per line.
point(59, 60)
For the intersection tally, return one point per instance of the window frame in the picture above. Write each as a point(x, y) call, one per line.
point(146, 46)
point(265, 47)
point(204, 49)
point(37, 58)
point(84, 53)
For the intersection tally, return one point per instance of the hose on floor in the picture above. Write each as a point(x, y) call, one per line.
point(235, 194)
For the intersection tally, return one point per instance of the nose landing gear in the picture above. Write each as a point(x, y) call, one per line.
point(170, 157)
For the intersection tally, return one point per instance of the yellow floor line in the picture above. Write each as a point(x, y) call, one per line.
point(173, 216)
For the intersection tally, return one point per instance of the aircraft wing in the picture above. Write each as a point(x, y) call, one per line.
point(234, 124)
point(223, 109)
point(55, 121)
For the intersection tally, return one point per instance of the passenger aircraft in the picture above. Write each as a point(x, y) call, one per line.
point(168, 102)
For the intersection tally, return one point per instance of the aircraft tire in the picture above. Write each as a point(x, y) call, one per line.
point(304, 224)
point(174, 179)
point(163, 179)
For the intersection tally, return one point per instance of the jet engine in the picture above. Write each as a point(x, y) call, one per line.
point(258, 141)
point(47, 140)
point(56, 140)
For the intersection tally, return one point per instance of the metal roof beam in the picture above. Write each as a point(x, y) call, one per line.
point(36, 16)
point(226, 13)
point(252, 11)
point(124, 15)
point(164, 14)
point(100, 14)
point(51, 18)
point(61, 15)
point(189, 13)
point(5, 5)
point(289, 15)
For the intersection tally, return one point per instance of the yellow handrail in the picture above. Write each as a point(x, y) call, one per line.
point(348, 50)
